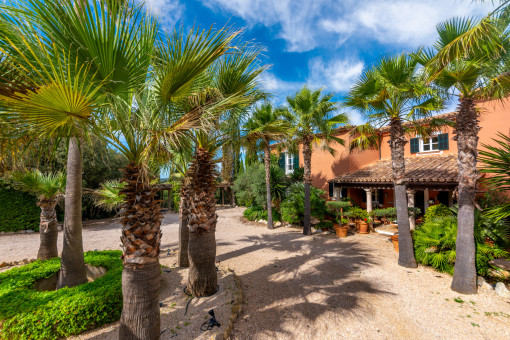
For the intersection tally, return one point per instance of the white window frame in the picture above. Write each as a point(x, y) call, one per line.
point(289, 163)
point(431, 144)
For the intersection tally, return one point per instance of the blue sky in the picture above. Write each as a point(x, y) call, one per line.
point(321, 43)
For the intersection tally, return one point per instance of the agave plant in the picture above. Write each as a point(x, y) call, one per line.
point(49, 190)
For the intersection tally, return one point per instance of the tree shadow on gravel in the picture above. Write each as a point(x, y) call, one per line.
point(323, 274)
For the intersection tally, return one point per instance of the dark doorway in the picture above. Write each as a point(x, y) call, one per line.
point(442, 197)
point(419, 201)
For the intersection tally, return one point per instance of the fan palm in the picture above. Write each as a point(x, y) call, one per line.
point(234, 81)
point(145, 131)
point(49, 189)
point(264, 126)
point(77, 54)
point(311, 117)
point(496, 162)
point(392, 92)
point(477, 75)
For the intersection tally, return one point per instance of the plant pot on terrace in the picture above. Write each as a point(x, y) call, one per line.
point(363, 227)
point(394, 240)
point(341, 230)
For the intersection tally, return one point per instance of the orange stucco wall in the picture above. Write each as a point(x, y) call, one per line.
point(325, 166)
point(495, 117)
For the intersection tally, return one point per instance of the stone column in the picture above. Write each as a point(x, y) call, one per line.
point(426, 201)
point(369, 199)
point(410, 204)
point(337, 192)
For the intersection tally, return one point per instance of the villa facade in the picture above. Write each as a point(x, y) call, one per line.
point(431, 164)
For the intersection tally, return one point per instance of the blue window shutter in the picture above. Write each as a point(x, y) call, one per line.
point(331, 189)
point(443, 141)
point(415, 145)
point(281, 161)
point(296, 161)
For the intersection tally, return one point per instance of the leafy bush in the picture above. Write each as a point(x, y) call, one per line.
point(357, 213)
point(337, 208)
point(324, 225)
point(250, 186)
point(434, 244)
point(297, 175)
point(257, 213)
point(29, 314)
point(436, 211)
point(18, 210)
point(293, 207)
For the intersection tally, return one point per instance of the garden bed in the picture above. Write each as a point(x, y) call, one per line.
point(28, 313)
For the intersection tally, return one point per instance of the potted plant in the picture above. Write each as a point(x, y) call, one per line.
point(342, 228)
point(363, 226)
point(394, 240)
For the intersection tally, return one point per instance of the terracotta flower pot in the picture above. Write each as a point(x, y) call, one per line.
point(363, 228)
point(341, 231)
point(394, 239)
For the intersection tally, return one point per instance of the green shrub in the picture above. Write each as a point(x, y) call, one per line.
point(250, 186)
point(324, 225)
point(257, 213)
point(434, 244)
point(436, 211)
point(29, 314)
point(18, 210)
point(293, 207)
point(337, 208)
point(357, 213)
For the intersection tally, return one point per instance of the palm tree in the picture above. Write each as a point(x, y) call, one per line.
point(109, 44)
point(235, 83)
point(313, 124)
point(392, 92)
point(264, 126)
point(479, 74)
point(49, 189)
point(146, 130)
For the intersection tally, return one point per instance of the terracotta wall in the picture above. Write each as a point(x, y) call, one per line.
point(494, 118)
point(326, 167)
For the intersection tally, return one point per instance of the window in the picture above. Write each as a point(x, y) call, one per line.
point(436, 142)
point(429, 143)
point(375, 195)
point(289, 163)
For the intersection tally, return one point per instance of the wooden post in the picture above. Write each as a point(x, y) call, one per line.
point(426, 201)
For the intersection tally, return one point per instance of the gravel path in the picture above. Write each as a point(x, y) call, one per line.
point(321, 287)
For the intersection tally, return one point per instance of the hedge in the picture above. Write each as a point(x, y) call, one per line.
point(18, 210)
point(29, 314)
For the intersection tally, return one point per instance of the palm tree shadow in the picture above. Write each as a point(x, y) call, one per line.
point(322, 274)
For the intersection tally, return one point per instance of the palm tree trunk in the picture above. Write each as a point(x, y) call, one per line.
point(464, 276)
point(405, 241)
point(182, 257)
point(72, 269)
point(202, 278)
point(48, 230)
point(307, 179)
point(267, 163)
point(141, 238)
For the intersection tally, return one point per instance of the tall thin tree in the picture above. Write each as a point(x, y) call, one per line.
point(314, 125)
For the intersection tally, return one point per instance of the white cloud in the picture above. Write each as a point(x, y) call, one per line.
point(295, 19)
point(168, 11)
point(306, 24)
point(336, 75)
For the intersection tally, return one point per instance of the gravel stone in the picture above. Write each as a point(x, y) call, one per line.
point(329, 288)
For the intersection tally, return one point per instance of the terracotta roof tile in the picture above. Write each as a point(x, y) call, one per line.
point(419, 169)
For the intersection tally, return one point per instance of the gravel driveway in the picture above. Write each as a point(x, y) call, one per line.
point(321, 287)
